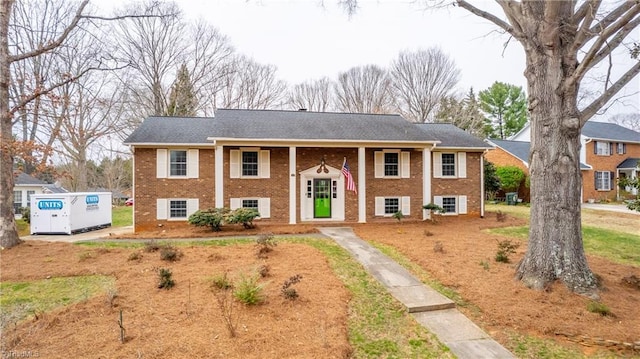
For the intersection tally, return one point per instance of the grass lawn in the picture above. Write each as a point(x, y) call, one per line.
point(122, 216)
point(618, 246)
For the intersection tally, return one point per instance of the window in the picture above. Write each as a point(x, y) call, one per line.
point(448, 164)
point(603, 148)
point(250, 163)
point(29, 194)
point(250, 203)
point(391, 164)
point(603, 180)
point(17, 201)
point(449, 204)
point(622, 148)
point(391, 205)
point(177, 163)
point(178, 209)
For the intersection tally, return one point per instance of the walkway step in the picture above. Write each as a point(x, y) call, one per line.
point(430, 308)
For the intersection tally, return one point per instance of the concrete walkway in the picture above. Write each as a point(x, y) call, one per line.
point(430, 308)
point(84, 236)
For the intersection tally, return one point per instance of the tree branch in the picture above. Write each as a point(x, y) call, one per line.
point(486, 15)
point(57, 42)
point(586, 14)
point(617, 40)
point(591, 110)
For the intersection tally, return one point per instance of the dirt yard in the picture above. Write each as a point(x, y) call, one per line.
point(186, 321)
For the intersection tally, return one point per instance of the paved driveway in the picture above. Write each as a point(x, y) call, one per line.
point(101, 233)
point(609, 207)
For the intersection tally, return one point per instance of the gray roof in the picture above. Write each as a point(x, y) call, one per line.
point(520, 150)
point(25, 179)
point(609, 131)
point(452, 136)
point(629, 163)
point(52, 188)
point(277, 125)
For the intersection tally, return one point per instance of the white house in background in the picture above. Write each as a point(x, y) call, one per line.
point(25, 186)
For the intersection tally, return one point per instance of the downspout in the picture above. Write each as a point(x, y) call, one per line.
point(482, 183)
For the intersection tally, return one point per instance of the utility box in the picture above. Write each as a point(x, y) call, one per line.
point(67, 213)
point(512, 198)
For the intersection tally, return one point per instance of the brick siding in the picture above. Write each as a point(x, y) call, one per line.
point(604, 163)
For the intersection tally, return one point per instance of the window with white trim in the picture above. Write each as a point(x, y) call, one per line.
point(392, 164)
point(450, 165)
point(261, 204)
point(621, 148)
point(603, 180)
point(388, 206)
point(391, 205)
point(250, 203)
point(449, 204)
point(249, 163)
point(603, 148)
point(29, 194)
point(178, 163)
point(178, 209)
point(17, 201)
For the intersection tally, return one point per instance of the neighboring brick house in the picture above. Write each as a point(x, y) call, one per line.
point(608, 152)
point(288, 165)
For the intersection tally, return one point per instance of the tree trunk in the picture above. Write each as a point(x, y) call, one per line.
point(555, 249)
point(8, 233)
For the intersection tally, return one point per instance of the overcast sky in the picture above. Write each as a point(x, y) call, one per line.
point(309, 39)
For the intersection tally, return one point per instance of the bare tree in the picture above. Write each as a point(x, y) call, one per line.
point(563, 42)
point(628, 120)
point(462, 112)
point(421, 80)
point(364, 89)
point(311, 95)
point(251, 85)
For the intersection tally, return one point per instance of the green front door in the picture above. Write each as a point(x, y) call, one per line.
point(322, 198)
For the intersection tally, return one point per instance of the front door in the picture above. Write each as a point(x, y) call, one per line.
point(322, 198)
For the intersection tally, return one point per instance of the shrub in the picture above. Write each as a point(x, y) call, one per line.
point(222, 282)
point(26, 214)
point(510, 177)
point(438, 247)
point(151, 246)
point(244, 216)
point(212, 217)
point(265, 243)
point(135, 256)
point(398, 215)
point(170, 253)
point(248, 291)
point(264, 270)
point(501, 216)
point(435, 209)
point(165, 279)
point(289, 292)
point(599, 308)
point(491, 180)
point(505, 249)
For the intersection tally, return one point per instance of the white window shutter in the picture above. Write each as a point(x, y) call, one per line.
point(264, 164)
point(406, 205)
point(234, 164)
point(437, 165)
point(193, 204)
point(379, 165)
point(462, 204)
point(379, 206)
point(405, 160)
point(264, 207)
point(192, 163)
point(161, 163)
point(462, 165)
point(437, 200)
point(235, 203)
point(161, 208)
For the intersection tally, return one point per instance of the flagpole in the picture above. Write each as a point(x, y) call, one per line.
point(343, 162)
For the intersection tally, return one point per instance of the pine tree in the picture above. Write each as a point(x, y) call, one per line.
point(182, 99)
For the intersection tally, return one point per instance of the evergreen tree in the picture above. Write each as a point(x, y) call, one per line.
point(506, 108)
point(464, 113)
point(182, 99)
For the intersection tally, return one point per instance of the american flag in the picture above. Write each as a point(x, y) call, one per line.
point(351, 185)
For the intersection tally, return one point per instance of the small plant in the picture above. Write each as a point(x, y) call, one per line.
point(212, 217)
point(248, 291)
point(263, 270)
point(434, 209)
point(26, 214)
point(265, 244)
point(86, 255)
point(170, 253)
point(501, 216)
point(225, 304)
point(427, 233)
point(484, 264)
point(244, 216)
point(165, 279)
point(505, 249)
point(151, 246)
point(135, 256)
point(111, 295)
point(398, 215)
point(599, 308)
point(287, 290)
point(438, 247)
point(222, 282)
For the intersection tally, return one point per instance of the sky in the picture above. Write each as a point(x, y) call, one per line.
point(310, 39)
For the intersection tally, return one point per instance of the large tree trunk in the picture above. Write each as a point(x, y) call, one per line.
point(555, 249)
point(8, 233)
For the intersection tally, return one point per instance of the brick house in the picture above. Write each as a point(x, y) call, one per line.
point(608, 153)
point(288, 165)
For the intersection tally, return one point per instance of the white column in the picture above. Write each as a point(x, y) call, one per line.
point(219, 176)
point(292, 185)
point(482, 185)
point(362, 186)
point(426, 181)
